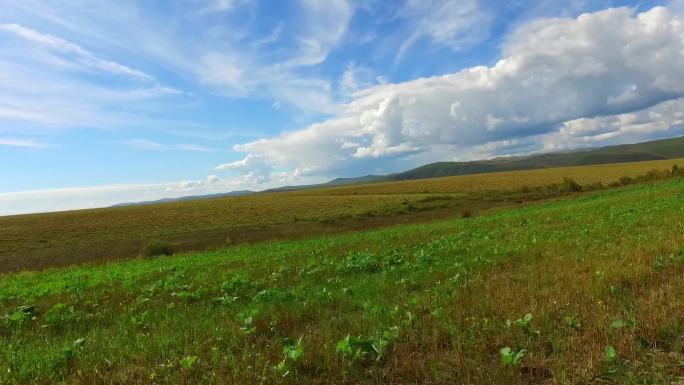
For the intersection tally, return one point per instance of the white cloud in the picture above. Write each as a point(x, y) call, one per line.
point(355, 78)
point(38, 91)
point(218, 43)
point(676, 6)
point(85, 58)
point(144, 144)
point(457, 24)
point(219, 6)
point(194, 147)
point(251, 67)
point(552, 73)
point(325, 23)
point(212, 179)
point(254, 169)
point(13, 142)
point(103, 196)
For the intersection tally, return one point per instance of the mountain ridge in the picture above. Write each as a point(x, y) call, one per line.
point(623, 153)
point(660, 149)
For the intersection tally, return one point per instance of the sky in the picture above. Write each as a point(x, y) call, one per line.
point(104, 102)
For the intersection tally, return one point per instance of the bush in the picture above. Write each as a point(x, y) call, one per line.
point(155, 248)
point(595, 186)
point(625, 180)
point(570, 185)
point(676, 171)
point(653, 175)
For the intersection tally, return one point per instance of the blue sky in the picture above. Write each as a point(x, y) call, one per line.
point(103, 102)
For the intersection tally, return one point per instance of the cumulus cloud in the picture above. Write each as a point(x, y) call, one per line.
point(553, 73)
point(254, 169)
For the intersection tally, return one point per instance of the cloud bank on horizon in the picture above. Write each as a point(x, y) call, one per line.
point(342, 88)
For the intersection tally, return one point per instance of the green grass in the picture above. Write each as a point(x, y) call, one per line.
point(600, 274)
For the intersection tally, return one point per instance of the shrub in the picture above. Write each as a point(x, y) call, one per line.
point(570, 185)
point(625, 180)
point(594, 186)
point(653, 175)
point(676, 171)
point(155, 248)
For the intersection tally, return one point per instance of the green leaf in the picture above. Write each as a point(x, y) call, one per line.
point(618, 324)
point(188, 362)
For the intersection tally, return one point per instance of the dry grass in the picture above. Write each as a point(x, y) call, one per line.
point(499, 181)
point(59, 239)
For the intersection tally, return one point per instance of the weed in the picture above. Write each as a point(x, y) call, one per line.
point(573, 322)
point(188, 362)
point(355, 348)
point(237, 285)
point(360, 262)
point(20, 316)
point(71, 351)
point(659, 263)
point(61, 314)
point(510, 357)
point(524, 324)
point(292, 353)
point(247, 318)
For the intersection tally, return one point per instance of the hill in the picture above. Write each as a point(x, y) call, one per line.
point(187, 198)
point(654, 150)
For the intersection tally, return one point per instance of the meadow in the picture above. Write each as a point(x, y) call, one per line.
point(587, 289)
point(67, 238)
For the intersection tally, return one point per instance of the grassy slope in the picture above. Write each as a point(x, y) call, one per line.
point(58, 239)
point(432, 298)
point(659, 149)
point(646, 151)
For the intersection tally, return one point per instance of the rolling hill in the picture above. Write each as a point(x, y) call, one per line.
point(638, 152)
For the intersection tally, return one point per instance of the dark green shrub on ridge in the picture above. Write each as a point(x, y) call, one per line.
point(156, 248)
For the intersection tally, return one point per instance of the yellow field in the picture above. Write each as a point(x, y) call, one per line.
point(499, 181)
point(54, 239)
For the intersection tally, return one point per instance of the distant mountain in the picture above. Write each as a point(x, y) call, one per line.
point(332, 183)
point(654, 150)
point(187, 198)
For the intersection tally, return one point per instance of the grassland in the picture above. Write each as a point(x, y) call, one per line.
point(59, 239)
point(446, 302)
